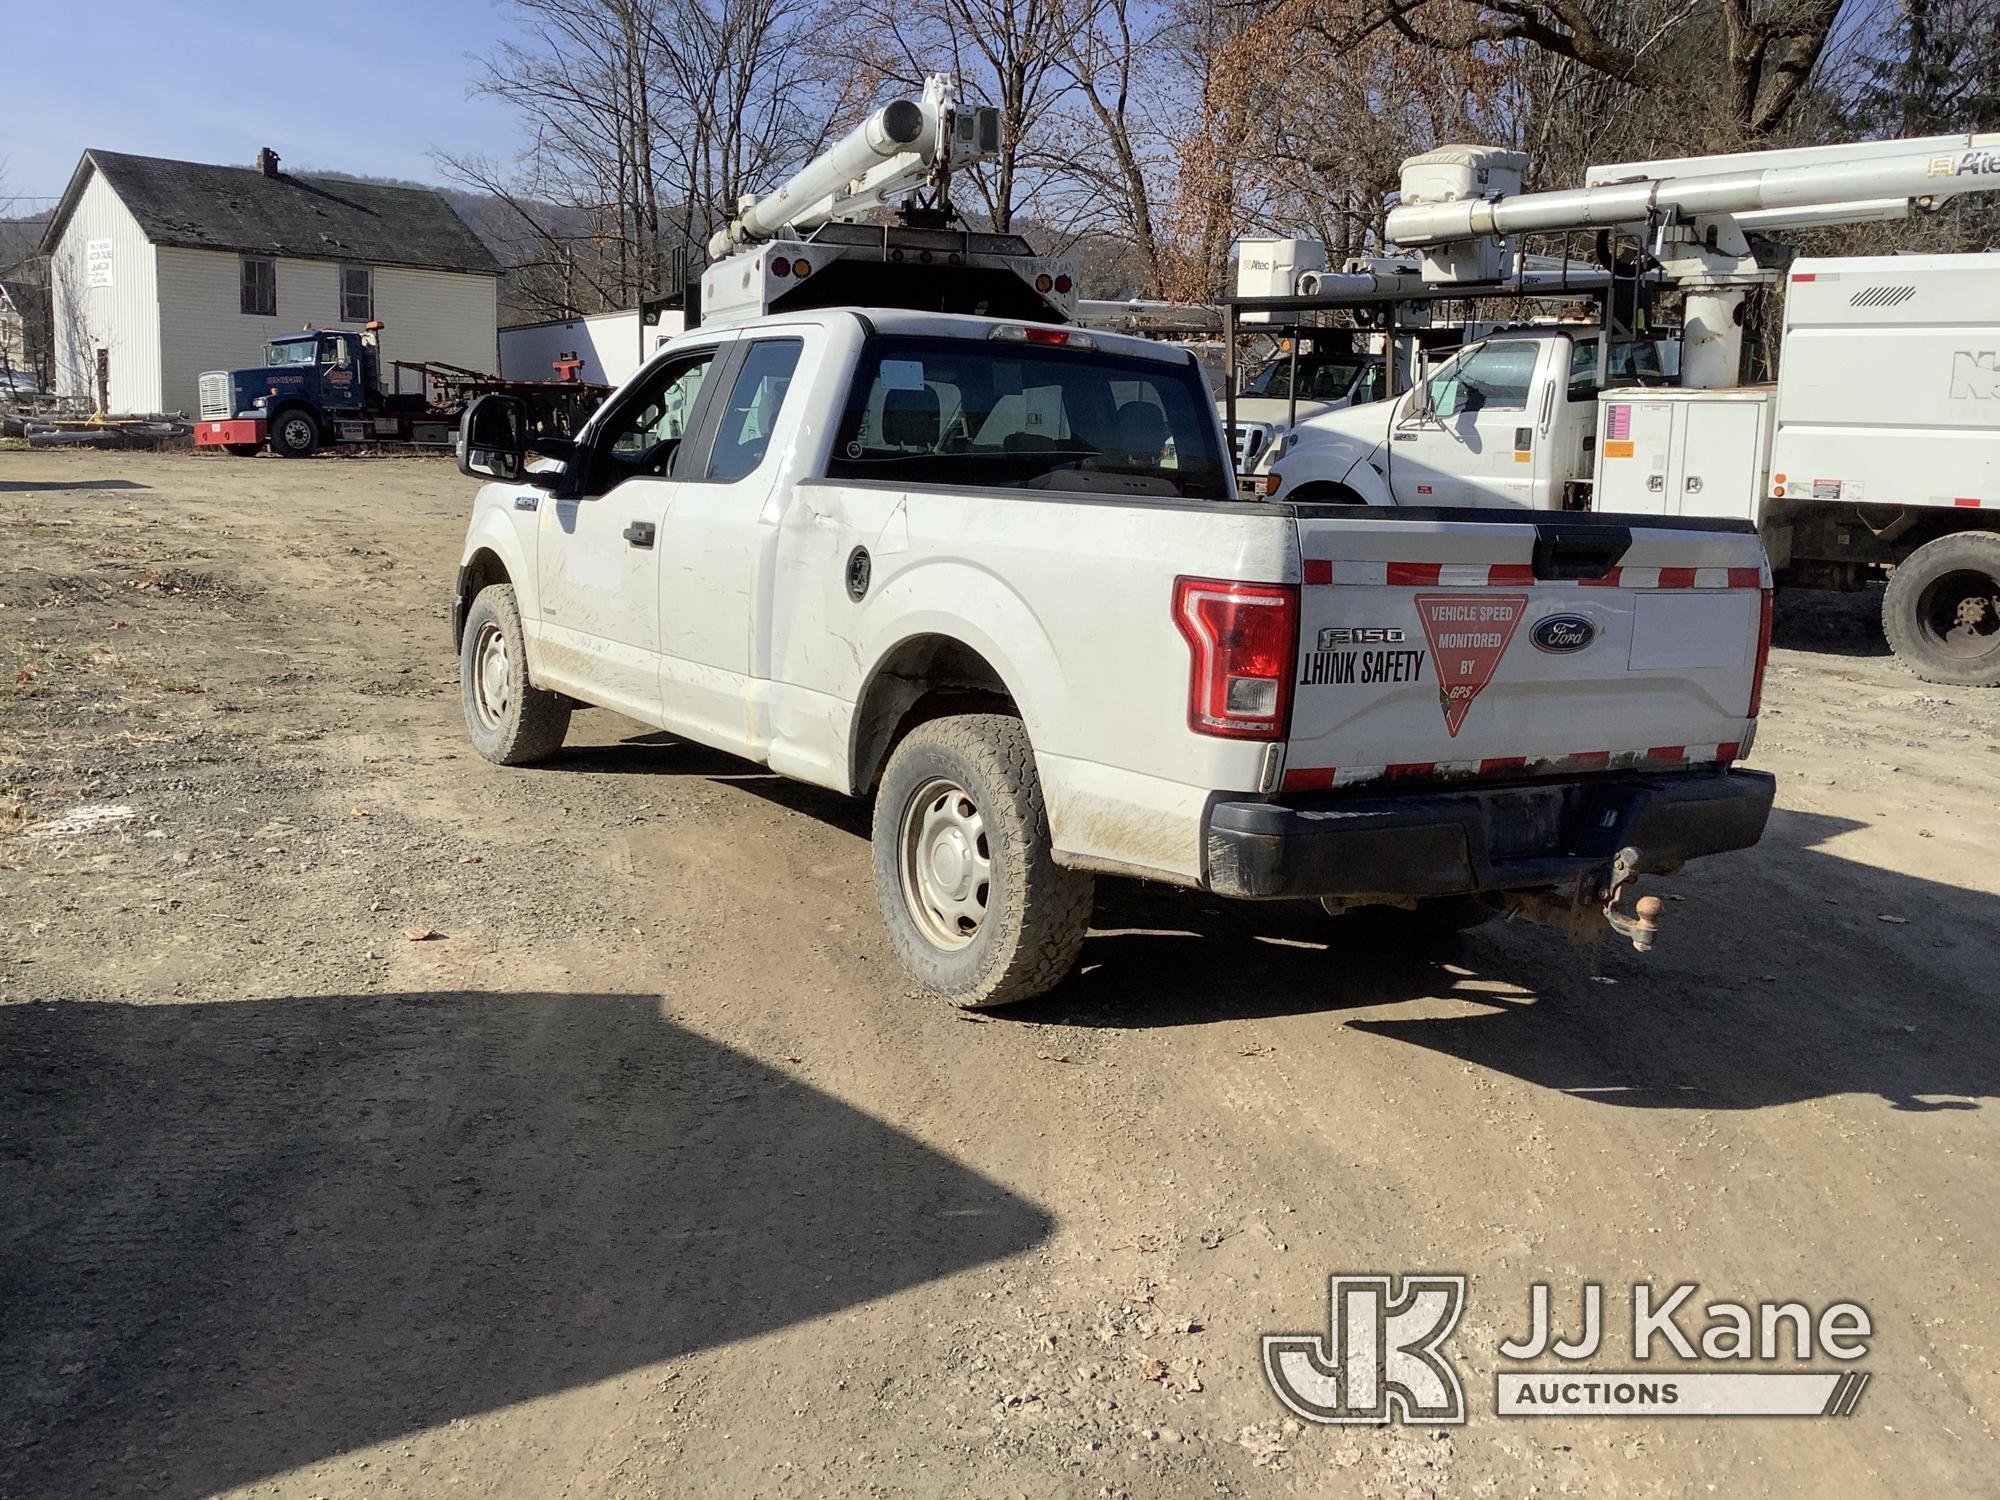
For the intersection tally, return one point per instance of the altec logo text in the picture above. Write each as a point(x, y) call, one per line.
point(1383, 1358)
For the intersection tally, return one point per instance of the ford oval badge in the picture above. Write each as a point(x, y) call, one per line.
point(1561, 634)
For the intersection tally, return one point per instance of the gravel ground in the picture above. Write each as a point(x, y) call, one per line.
point(374, 1121)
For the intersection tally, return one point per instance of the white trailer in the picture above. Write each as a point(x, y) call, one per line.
point(610, 345)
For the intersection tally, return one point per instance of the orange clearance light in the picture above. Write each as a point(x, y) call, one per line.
point(1045, 283)
point(802, 267)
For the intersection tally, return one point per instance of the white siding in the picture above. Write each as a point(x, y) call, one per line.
point(426, 315)
point(122, 318)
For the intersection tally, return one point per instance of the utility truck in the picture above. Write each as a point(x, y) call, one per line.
point(992, 572)
point(1877, 450)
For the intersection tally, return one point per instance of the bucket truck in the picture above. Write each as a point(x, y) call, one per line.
point(1878, 449)
point(991, 571)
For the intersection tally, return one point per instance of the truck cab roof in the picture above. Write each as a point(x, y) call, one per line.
point(911, 324)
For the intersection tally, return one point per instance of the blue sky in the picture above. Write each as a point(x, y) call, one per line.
point(361, 86)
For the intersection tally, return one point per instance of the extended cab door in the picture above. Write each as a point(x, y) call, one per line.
point(597, 557)
point(1473, 441)
point(717, 538)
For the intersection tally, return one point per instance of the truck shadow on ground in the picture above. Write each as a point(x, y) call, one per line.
point(1854, 1005)
point(1775, 981)
point(19, 487)
point(244, 1237)
point(1829, 622)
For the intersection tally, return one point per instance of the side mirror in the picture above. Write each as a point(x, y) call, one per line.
point(492, 438)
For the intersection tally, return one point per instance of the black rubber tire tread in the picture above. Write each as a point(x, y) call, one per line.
point(536, 721)
point(277, 445)
point(1038, 912)
point(1962, 551)
point(245, 450)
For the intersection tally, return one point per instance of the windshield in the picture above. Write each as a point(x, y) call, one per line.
point(291, 352)
point(1322, 377)
point(1022, 416)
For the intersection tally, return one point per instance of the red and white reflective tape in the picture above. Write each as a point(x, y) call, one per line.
point(1319, 570)
point(1326, 778)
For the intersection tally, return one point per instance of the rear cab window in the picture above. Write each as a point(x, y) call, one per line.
point(1013, 415)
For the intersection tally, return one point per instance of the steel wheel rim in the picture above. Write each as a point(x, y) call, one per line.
point(1960, 612)
point(492, 686)
point(297, 432)
point(945, 861)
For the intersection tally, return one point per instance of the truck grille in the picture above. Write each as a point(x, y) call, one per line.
point(1249, 440)
point(215, 405)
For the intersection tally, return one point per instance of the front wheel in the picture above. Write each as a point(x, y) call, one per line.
point(244, 450)
point(975, 904)
point(1941, 611)
point(511, 721)
point(295, 433)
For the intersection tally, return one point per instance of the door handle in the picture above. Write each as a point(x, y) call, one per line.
point(640, 533)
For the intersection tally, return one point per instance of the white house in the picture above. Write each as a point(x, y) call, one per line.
point(159, 270)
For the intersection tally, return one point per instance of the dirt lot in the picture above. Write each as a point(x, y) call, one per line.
point(647, 1174)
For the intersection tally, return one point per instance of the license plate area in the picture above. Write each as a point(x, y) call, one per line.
point(1525, 823)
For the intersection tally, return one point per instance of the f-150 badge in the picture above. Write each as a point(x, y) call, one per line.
point(1469, 633)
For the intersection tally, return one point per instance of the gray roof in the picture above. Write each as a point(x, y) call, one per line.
point(205, 207)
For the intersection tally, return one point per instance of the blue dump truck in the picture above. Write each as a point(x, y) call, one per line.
point(328, 385)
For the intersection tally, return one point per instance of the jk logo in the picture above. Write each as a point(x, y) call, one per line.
point(1382, 1359)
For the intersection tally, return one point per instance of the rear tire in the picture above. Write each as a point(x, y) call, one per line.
point(295, 433)
point(1941, 611)
point(976, 907)
point(511, 722)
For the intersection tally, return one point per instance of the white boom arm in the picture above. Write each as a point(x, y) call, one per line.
point(896, 150)
point(1704, 207)
point(1866, 177)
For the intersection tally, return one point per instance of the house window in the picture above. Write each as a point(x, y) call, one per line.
point(357, 294)
point(260, 286)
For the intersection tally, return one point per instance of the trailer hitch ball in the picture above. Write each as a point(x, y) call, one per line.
point(1642, 926)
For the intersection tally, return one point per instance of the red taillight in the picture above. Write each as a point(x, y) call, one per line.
point(1054, 336)
point(1063, 284)
point(1763, 653)
point(1241, 637)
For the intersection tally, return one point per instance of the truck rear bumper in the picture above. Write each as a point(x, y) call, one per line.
point(237, 430)
point(1451, 841)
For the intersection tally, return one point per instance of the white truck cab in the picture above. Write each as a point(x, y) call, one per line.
point(1508, 421)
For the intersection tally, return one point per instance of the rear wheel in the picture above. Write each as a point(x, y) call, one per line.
point(1941, 611)
point(295, 433)
point(974, 902)
point(511, 722)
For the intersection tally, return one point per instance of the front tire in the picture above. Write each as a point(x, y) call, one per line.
point(1941, 611)
point(244, 450)
point(295, 433)
point(511, 721)
point(976, 907)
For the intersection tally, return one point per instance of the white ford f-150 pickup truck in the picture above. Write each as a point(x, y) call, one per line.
point(994, 574)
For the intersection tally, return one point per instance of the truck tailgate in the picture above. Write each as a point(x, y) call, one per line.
point(1448, 644)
